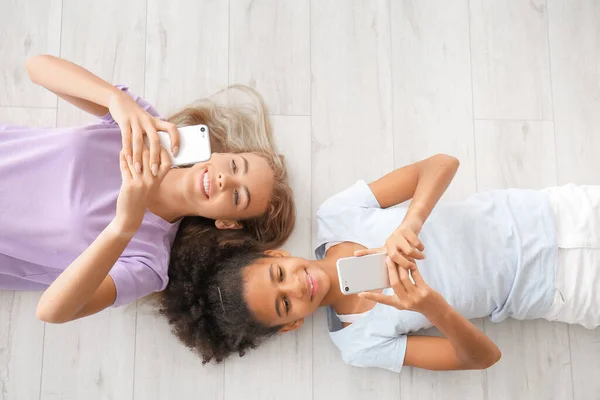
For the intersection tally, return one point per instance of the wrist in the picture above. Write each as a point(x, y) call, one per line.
point(114, 96)
point(436, 309)
point(413, 221)
point(123, 228)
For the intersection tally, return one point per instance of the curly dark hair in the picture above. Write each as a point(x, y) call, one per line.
point(204, 300)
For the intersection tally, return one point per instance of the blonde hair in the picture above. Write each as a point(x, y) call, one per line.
point(238, 121)
point(275, 226)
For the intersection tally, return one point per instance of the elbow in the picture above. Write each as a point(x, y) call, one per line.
point(447, 160)
point(488, 361)
point(35, 64)
point(49, 314)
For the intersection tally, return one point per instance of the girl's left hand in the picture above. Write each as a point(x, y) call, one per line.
point(135, 123)
point(403, 246)
point(409, 294)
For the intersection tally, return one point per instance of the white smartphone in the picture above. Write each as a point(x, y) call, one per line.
point(194, 145)
point(362, 274)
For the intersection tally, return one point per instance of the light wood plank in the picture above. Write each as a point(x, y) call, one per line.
point(165, 369)
point(535, 361)
point(432, 86)
point(351, 94)
point(505, 152)
point(187, 51)
point(91, 358)
point(509, 49)
point(269, 49)
point(352, 139)
point(116, 54)
point(574, 29)
point(21, 346)
point(585, 348)
point(504, 160)
point(27, 28)
point(28, 117)
point(284, 364)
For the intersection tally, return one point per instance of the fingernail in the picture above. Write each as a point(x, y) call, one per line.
point(154, 169)
point(175, 151)
point(138, 167)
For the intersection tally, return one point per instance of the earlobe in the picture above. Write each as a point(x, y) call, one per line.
point(227, 224)
point(292, 326)
point(276, 253)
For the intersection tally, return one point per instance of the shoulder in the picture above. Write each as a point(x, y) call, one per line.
point(357, 195)
point(387, 353)
point(136, 277)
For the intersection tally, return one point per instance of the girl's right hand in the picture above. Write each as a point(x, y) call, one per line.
point(417, 296)
point(137, 189)
point(135, 122)
point(403, 246)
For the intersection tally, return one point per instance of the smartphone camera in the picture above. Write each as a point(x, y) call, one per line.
point(202, 129)
point(347, 289)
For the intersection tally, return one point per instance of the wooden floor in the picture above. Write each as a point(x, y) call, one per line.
point(356, 88)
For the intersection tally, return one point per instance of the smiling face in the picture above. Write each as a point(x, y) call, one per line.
point(283, 290)
point(230, 186)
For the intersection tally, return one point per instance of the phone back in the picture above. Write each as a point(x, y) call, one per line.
point(194, 145)
point(362, 274)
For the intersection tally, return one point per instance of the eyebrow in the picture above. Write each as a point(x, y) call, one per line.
point(245, 164)
point(276, 302)
point(245, 189)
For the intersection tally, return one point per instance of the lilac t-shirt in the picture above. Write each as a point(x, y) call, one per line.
point(58, 191)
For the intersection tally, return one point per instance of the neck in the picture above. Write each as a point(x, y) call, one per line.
point(334, 296)
point(169, 203)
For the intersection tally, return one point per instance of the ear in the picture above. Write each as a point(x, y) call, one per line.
point(227, 224)
point(292, 326)
point(276, 253)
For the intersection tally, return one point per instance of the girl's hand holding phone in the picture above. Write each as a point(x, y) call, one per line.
point(135, 122)
point(403, 246)
point(417, 296)
point(137, 189)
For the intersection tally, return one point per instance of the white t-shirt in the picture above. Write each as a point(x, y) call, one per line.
point(491, 255)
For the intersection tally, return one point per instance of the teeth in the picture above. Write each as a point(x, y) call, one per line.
point(206, 183)
point(312, 288)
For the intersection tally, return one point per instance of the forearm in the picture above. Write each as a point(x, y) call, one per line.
point(434, 177)
point(74, 288)
point(473, 348)
point(65, 78)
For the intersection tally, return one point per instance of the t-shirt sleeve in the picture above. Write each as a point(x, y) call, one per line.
point(134, 279)
point(339, 217)
point(108, 119)
point(357, 195)
point(387, 354)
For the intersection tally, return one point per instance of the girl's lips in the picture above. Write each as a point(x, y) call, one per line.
point(203, 176)
point(312, 285)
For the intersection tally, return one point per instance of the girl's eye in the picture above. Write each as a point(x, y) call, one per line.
point(280, 274)
point(233, 166)
point(236, 197)
point(286, 304)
